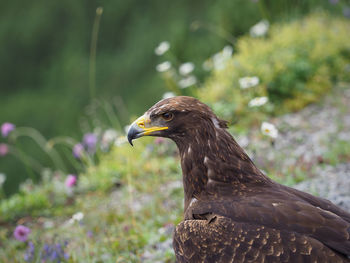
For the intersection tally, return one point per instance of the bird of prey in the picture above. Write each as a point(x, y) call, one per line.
point(232, 211)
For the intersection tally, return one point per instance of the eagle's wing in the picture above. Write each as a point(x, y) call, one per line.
point(277, 211)
point(220, 239)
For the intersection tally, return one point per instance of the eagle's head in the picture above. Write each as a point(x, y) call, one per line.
point(175, 118)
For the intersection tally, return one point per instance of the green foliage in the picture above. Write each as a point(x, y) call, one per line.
point(125, 213)
point(23, 204)
point(296, 64)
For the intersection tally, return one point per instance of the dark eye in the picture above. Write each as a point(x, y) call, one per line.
point(168, 116)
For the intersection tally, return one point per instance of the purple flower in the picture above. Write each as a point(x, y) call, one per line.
point(30, 252)
point(4, 149)
point(6, 128)
point(78, 150)
point(21, 233)
point(71, 180)
point(90, 234)
point(90, 141)
point(54, 253)
point(333, 2)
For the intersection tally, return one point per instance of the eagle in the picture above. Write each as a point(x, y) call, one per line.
point(232, 211)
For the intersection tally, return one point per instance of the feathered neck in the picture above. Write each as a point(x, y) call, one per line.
point(210, 154)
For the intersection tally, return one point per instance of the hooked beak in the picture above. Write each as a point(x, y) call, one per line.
point(142, 127)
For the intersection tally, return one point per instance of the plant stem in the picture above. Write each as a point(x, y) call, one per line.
point(28, 161)
point(41, 141)
point(93, 48)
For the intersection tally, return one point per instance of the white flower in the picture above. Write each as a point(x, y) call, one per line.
point(218, 60)
point(48, 224)
point(187, 82)
point(78, 217)
point(120, 140)
point(162, 48)
point(260, 29)
point(109, 136)
point(259, 101)
point(2, 179)
point(186, 68)
point(162, 67)
point(227, 51)
point(269, 129)
point(248, 82)
point(168, 95)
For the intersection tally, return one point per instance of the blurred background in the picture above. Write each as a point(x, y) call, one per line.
point(46, 55)
point(75, 73)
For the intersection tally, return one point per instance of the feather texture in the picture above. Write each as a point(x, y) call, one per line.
point(232, 211)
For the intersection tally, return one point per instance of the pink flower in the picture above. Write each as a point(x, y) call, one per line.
point(21, 233)
point(159, 140)
point(6, 128)
point(4, 149)
point(71, 180)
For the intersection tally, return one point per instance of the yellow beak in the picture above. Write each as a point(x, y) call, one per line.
point(141, 127)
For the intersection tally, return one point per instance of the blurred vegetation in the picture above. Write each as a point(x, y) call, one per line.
point(44, 66)
point(130, 196)
point(296, 64)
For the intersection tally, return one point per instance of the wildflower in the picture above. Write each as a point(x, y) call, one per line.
point(227, 51)
point(109, 135)
point(108, 138)
point(54, 253)
point(162, 48)
point(269, 129)
point(90, 141)
point(21, 233)
point(48, 224)
point(187, 82)
point(78, 217)
point(90, 234)
point(248, 82)
point(260, 29)
point(2, 179)
point(259, 101)
point(4, 149)
point(7, 128)
point(71, 180)
point(120, 140)
point(219, 59)
point(162, 67)
point(29, 255)
point(333, 2)
point(159, 140)
point(167, 95)
point(186, 68)
point(78, 150)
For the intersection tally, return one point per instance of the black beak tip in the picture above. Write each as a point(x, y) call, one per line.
point(130, 141)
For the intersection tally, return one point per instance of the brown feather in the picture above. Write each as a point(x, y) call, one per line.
point(233, 212)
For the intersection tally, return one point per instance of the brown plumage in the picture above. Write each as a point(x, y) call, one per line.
point(232, 211)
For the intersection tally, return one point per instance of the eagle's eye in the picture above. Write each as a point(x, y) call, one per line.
point(168, 116)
